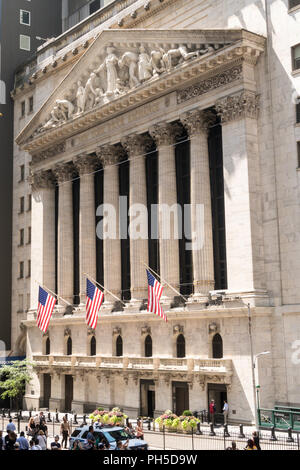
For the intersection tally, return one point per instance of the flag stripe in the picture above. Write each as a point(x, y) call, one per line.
point(94, 299)
point(46, 303)
point(155, 290)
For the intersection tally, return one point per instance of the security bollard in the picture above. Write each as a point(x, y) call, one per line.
point(9, 416)
point(56, 418)
point(127, 421)
point(84, 419)
point(3, 413)
point(75, 419)
point(49, 418)
point(290, 437)
point(149, 424)
point(199, 432)
point(19, 424)
point(226, 433)
point(212, 431)
point(30, 414)
point(273, 437)
point(241, 435)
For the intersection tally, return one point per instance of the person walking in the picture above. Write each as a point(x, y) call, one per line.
point(212, 411)
point(10, 440)
point(22, 441)
point(31, 427)
point(1, 441)
point(42, 440)
point(65, 431)
point(10, 426)
point(91, 441)
point(255, 436)
point(250, 445)
point(225, 412)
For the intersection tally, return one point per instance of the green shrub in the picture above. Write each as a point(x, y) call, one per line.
point(187, 413)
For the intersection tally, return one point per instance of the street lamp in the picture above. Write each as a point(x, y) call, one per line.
point(253, 361)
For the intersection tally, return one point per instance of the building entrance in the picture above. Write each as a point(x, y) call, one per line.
point(147, 394)
point(47, 390)
point(181, 400)
point(68, 392)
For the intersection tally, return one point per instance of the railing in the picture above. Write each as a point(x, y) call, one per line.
point(279, 419)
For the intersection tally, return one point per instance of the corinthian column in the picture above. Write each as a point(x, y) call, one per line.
point(165, 135)
point(85, 165)
point(136, 146)
point(43, 233)
point(109, 156)
point(64, 173)
point(196, 123)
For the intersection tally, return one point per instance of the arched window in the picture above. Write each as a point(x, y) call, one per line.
point(119, 346)
point(180, 346)
point(148, 346)
point(93, 346)
point(69, 346)
point(217, 347)
point(47, 347)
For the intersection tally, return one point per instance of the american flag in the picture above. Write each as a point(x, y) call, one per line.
point(154, 294)
point(46, 305)
point(94, 299)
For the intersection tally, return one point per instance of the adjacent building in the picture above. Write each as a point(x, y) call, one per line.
point(181, 105)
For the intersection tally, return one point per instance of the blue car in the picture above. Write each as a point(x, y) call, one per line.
point(107, 434)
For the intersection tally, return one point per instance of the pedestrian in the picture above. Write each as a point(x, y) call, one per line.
point(139, 430)
point(55, 445)
point(91, 441)
point(1, 441)
point(10, 426)
point(225, 412)
point(233, 446)
point(250, 445)
point(255, 436)
point(10, 440)
point(121, 446)
point(34, 445)
point(22, 441)
point(212, 411)
point(42, 440)
point(65, 430)
point(17, 446)
point(31, 427)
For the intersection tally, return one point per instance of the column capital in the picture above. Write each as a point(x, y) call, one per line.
point(64, 172)
point(244, 104)
point(197, 121)
point(43, 179)
point(136, 144)
point(110, 154)
point(85, 163)
point(165, 133)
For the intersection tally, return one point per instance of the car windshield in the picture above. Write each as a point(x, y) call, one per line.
point(76, 432)
point(119, 435)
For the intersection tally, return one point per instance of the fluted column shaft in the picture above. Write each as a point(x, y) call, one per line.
point(65, 263)
point(109, 156)
point(43, 233)
point(196, 123)
point(165, 137)
point(86, 165)
point(136, 146)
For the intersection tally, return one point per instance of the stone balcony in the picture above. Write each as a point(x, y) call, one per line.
point(210, 367)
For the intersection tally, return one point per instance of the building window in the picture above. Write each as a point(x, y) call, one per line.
point(29, 268)
point(94, 6)
point(30, 104)
point(28, 301)
point(21, 270)
point(23, 109)
point(93, 346)
point(69, 346)
point(294, 3)
point(148, 346)
point(29, 236)
point(25, 17)
point(21, 306)
point(217, 347)
point(22, 173)
point(119, 346)
point(47, 347)
point(180, 346)
point(296, 57)
point(21, 237)
point(21, 205)
point(24, 42)
point(29, 203)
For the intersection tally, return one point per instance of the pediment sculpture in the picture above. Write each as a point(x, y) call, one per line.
point(118, 73)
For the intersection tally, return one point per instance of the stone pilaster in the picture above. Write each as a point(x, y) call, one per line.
point(86, 165)
point(43, 233)
point(243, 218)
point(64, 173)
point(109, 156)
point(165, 135)
point(197, 122)
point(136, 147)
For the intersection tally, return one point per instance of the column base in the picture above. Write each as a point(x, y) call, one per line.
point(56, 404)
point(136, 304)
point(78, 407)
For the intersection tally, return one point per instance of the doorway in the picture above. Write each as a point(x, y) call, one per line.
point(147, 394)
point(181, 400)
point(217, 392)
point(47, 390)
point(68, 392)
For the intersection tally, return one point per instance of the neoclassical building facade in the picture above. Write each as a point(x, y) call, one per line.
point(156, 104)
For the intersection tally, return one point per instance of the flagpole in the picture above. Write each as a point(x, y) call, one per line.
point(165, 282)
point(53, 293)
point(104, 288)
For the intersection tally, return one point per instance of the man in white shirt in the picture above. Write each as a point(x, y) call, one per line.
point(225, 412)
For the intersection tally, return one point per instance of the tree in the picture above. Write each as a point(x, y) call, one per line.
point(13, 379)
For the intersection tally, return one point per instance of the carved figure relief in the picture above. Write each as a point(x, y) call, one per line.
point(117, 74)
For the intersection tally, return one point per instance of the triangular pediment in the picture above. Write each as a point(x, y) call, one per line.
point(121, 68)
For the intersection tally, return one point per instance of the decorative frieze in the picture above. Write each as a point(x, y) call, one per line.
point(43, 179)
point(209, 84)
point(244, 104)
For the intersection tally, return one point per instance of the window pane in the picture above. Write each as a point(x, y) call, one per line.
point(25, 17)
point(24, 42)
